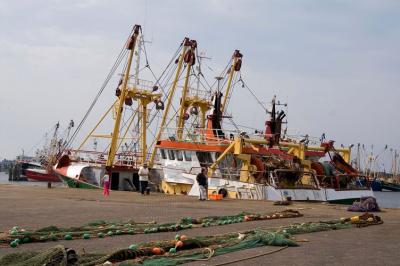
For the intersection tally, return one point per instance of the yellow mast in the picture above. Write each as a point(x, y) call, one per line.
point(122, 96)
point(186, 44)
point(96, 126)
point(189, 58)
point(236, 64)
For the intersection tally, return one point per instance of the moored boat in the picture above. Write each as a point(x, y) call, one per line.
point(264, 166)
point(41, 175)
point(88, 174)
point(79, 175)
point(126, 147)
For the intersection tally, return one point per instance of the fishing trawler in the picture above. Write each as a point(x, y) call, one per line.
point(243, 166)
point(48, 155)
point(39, 167)
point(84, 168)
point(40, 175)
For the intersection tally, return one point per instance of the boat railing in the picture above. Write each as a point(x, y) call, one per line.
point(224, 173)
point(141, 84)
point(201, 136)
point(352, 181)
point(228, 173)
point(297, 138)
point(123, 159)
point(344, 181)
point(202, 94)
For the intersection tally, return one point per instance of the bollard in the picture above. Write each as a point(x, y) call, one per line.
point(48, 184)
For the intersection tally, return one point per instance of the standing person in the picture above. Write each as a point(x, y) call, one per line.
point(106, 185)
point(143, 177)
point(203, 184)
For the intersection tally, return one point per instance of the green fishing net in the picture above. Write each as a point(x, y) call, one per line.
point(195, 248)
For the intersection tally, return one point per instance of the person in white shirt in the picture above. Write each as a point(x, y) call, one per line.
point(143, 177)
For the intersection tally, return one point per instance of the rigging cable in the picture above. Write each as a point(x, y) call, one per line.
point(109, 76)
point(252, 93)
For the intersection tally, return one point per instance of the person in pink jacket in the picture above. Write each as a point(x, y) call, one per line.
point(106, 185)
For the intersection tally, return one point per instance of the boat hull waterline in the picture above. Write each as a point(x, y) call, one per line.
point(242, 190)
point(41, 175)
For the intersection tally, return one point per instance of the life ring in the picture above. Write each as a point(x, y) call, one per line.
point(223, 192)
point(260, 168)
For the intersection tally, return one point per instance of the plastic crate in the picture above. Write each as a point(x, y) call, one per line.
point(215, 196)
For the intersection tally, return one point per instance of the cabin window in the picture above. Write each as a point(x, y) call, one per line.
point(179, 155)
point(188, 155)
point(171, 154)
point(163, 155)
point(205, 158)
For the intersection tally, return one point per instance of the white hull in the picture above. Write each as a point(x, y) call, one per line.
point(244, 190)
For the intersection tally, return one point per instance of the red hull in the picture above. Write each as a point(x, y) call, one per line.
point(43, 177)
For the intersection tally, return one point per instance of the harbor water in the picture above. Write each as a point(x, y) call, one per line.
point(385, 199)
point(4, 180)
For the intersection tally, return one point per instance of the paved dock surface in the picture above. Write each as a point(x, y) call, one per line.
point(33, 207)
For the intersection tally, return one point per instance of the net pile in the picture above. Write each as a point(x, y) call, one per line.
point(183, 249)
point(99, 229)
point(54, 256)
point(366, 204)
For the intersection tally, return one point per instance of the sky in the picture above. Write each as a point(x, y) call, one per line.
point(336, 63)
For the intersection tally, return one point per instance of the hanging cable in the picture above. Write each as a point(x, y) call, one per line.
point(120, 57)
point(252, 93)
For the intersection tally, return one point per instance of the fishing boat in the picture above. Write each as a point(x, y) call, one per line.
point(40, 175)
point(126, 147)
point(42, 171)
point(87, 173)
point(386, 182)
point(381, 185)
point(18, 170)
point(284, 180)
point(262, 166)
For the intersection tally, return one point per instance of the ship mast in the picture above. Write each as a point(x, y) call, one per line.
point(186, 45)
point(190, 59)
point(214, 127)
point(125, 96)
point(236, 65)
point(120, 105)
point(394, 164)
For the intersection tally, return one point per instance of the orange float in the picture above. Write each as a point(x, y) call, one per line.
point(179, 244)
point(157, 251)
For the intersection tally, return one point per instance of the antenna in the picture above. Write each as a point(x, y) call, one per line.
point(218, 82)
point(141, 42)
point(198, 68)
